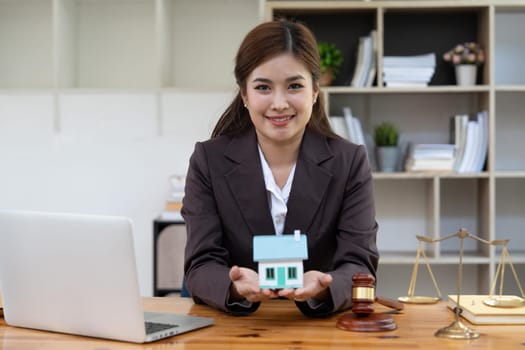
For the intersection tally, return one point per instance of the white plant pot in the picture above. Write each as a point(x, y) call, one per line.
point(466, 74)
point(386, 158)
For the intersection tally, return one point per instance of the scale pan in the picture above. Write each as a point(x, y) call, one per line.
point(418, 299)
point(504, 301)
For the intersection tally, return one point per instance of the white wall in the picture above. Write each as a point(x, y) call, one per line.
point(107, 158)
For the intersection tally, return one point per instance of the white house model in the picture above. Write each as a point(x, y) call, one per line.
point(280, 260)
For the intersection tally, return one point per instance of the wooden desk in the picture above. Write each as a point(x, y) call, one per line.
point(279, 325)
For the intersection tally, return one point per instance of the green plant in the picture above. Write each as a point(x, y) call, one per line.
point(386, 135)
point(331, 57)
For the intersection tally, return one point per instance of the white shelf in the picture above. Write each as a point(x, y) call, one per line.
point(509, 141)
point(510, 211)
point(112, 44)
point(121, 44)
point(216, 28)
point(26, 42)
point(509, 52)
point(433, 175)
point(447, 89)
point(410, 258)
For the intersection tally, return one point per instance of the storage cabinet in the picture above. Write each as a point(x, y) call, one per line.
point(435, 204)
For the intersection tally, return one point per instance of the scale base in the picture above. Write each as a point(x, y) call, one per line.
point(457, 330)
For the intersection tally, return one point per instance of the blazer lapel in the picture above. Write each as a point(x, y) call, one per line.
point(246, 183)
point(310, 183)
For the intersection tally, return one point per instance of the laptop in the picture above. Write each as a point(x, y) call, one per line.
point(76, 274)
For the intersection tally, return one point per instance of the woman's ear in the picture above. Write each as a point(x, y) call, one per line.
point(244, 100)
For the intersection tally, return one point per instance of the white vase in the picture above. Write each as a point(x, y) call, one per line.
point(386, 158)
point(466, 74)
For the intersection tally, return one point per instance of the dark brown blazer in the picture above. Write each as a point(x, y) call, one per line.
point(226, 204)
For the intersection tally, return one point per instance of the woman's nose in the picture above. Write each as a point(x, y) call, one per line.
point(280, 101)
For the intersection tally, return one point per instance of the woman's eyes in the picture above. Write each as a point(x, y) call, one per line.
point(264, 87)
point(296, 86)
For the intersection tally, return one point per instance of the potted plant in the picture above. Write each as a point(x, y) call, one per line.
point(386, 137)
point(466, 57)
point(331, 59)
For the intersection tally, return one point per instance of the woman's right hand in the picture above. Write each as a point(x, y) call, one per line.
point(245, 285)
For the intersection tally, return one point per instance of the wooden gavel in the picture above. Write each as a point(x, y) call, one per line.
point(363, 318)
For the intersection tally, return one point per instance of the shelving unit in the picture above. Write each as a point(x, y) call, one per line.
point(489, 203)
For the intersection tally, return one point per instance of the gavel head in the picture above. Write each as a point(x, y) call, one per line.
point(363, 294)
point(363, 318)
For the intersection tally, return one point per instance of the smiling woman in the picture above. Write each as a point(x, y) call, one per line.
point(273, 166)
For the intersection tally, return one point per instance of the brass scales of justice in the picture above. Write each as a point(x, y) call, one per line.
point(457, 329)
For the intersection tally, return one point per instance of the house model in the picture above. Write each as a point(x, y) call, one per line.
point(280, 260)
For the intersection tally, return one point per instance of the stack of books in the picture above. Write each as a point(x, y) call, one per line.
point(408, 71)
point(366, 62)
point(354, 127)
point(430, 157)
point(477, 312)
point(348, 127)
point(469, 133)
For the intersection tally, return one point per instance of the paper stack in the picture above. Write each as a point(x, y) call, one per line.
point(430, 157)
point(408, 71)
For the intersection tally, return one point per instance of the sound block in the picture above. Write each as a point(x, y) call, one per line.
point(366, 323)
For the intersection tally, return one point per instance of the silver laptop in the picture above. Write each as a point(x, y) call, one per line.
point(77, 274)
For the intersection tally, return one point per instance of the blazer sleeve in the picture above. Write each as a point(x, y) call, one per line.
point(206, 261)
point(356, 233)
point(355, 246)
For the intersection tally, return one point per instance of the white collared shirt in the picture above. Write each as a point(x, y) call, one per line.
point(277, 197)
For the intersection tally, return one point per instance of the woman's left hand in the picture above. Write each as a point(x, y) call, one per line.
point(315, 285)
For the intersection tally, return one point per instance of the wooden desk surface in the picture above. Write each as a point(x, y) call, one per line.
point(279, 325)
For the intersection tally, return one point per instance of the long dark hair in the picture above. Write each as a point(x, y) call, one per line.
point(262, 43)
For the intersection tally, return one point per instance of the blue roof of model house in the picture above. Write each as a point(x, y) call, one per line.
point(285, 247)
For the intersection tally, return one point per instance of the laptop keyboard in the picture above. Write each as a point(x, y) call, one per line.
point(152, 327)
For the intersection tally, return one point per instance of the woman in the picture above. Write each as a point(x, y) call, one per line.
point(273, 165)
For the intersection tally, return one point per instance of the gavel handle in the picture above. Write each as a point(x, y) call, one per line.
point(393, 304)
